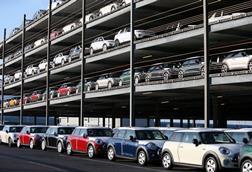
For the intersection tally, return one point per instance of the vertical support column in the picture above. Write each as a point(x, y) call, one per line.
point(206, 60)
point(132, 65)
point(22, 71)
point(48, 63)
point(3, 71)
point(83, 63)
point(171, 123)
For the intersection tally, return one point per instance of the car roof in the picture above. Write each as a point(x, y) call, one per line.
point(92, 128)
point(239, 130)
point(37, 126)
point(134, 128)
point(167, 128)
point(197, 130)
point(62, 127)
point(14, 125)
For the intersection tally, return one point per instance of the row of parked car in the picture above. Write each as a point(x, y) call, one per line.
point(212, 149)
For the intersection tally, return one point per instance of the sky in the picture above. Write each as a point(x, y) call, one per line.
point(12, 12)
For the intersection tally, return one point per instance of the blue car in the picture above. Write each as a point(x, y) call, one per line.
point(141, 144)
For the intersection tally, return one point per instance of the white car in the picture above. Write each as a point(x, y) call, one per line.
point(69, 27)
point(106, 81)
point(39, 42)
point(18, 75)
point(237, 60)
point(31, 70)
point(60, 59)
point(124, 35)
point(125, 2)
point(56, 3)
point(214, 17)
point(210, 149)
point(108, 9)
point(8, 79)
point(101, 44)
point(9, 134)
point(42, 65)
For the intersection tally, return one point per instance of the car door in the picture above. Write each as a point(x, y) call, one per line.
point(6, 135)
point(129, 146)
point(127, 35)
point(26, 136)
point(52, 137)
point(195, 66)
point(187, 149)
point(74, 138)
point(81, 141)
point(174, 143)
point(118, 140)
point(243, 60)
point(100, 43)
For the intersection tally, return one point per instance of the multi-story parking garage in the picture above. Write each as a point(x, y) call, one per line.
point(177, 34)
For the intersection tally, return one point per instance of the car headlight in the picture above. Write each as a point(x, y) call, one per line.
point(98, 141)
point(224, 151)
point(151, 146)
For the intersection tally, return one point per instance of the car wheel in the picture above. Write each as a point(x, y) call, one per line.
point(250, 66)
point(43, 145)
point(18, 143)
point(142, 158)
point(91, 151)
point(224, 68)
point(59, 147)
point(96, 87)
point(120, 83)
point(113, 8)
point(31, 144)
point(166, 76)
point(91, 51)
point(68, 92)
point(91, 18)
point(43, 98)
point(10, 142)
point(202, 72)
point(69, 60)
point(147, 78)
point(38, 71)
point(77, 91)
point(58, 95)
point(246, 166)
point(167, 161)
point(69, 149)
point(62, 62)
point(181, 74)
point(211, 165)
point(137, 80)
point(88, 88)
point(109, 85)
point(111, 154)
point(104, 47)
point(33, 73)
point(117, 43)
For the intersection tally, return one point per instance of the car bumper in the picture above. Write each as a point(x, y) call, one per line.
point(154, 155)
point(229, 161)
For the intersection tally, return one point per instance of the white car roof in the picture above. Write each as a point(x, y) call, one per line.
point(134, 128)
point(197, 130)
point(166, 128)
point(239, 130)
point(92, 128)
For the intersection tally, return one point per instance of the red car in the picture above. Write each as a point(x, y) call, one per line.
point(36, 96)
point(66, 89)
point(89, 140)
point(26, 99)
point(54, 34)
point(31, 136)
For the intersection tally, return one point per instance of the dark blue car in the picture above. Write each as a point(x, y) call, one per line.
point(141, 144)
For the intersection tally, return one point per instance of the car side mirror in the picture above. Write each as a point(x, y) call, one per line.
point(245, 141)
point(84, 136)
point(166, 138)
point(55, 134)
point(6, 131)
point(195, 142)
point(131, 138)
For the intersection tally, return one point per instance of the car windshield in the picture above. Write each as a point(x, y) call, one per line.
point(65, 130)
point(215, 138)
point(1, 128)
point(100, 132)
point(149, 135)
point(38, 129)
point(15, 129)
point(167, 133)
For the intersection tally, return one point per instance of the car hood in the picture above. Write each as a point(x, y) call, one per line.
point(234, 148)
point(104, 139)
point(159, 143)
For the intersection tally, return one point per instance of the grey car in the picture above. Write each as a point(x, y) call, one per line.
point(161, 72)
point(125, 77)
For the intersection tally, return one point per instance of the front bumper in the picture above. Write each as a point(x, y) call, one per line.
point(154, 155)
point(230, 161)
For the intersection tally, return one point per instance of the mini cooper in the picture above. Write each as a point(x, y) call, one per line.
point(9, 134)
point(89, 140)
point(141, 144)
point(31, 136)
point(240, 135)
point(56, 138)
point(245, 157)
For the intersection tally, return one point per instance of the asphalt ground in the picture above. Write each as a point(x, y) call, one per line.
point(26, 160)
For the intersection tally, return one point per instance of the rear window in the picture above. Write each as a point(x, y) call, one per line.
point(15, 129)
point(38, 129)
point(176, 137)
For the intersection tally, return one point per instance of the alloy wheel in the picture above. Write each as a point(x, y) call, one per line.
point(246, 166)
point(31, 144)
point(166, 161)
point(18, 143)
point(224, 68)
point(181, 74)
point(111, 154)
point(91, 151)
point(211, 165)
point(142, 158)
point(59, 147)
point(166, 76)
point(105, 47)
point(69, 149)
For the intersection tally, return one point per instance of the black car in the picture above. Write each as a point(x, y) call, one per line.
point(56, 137)
point(38, 14)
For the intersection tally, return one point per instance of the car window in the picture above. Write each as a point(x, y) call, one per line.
point(82, 132)
point(120, 134)
point(67, 130)
point(188, 137)
point(76, 132)
point(53, 131)
point(238, 136)
point(48, 131)
point(176, 137)
point(99, 132)
point(1, 128)
point(15, 129)
point(167, 133)
point(130, 133)
point(23, 131)
point(215, 138)
point(38, 129)
point(149, 135)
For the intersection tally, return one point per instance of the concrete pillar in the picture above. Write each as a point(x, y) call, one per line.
point(171, 123)
point(188, 123)
point(194, 123)
point(103, 121)
point(157, 122)
point(113, 122)
point(148, 122)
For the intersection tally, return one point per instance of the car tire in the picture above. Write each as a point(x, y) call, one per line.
point(91, 18)
point(91, 151)
point(117, 43)
point(69, 149)
point(88, 88)
point(104, 47)
point(142, 158)
point(43, 145)
point(250, 66)
point(91, 51)
point(69, 60)
point(109, 85)
point(166, 76)
point(246, 165)
point(60, 147)
point(202, 71)
point(167, 161)
point(120, 83)
point(181, 74)
point(111, 154)
point(18, 143)
point(224, 68)
point(113, 8)
point(33, 73)
point(31, 144)
point(96, 87)
point(10, 142)
point(211, 164)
